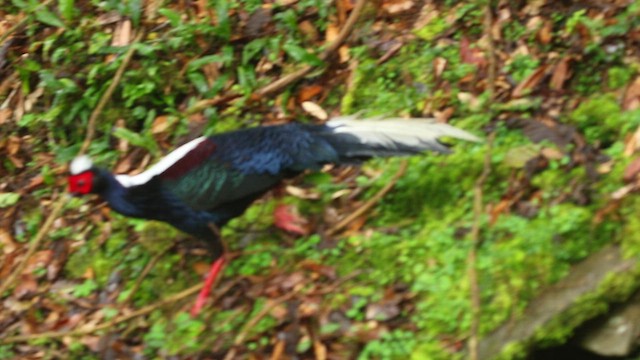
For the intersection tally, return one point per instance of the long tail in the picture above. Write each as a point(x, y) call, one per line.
point(356, 139)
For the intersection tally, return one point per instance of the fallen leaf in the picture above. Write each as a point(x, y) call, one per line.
point(160, 124)
point(382, 312)
point(26, 287)
point(631, 99)
point(38, 260)
point(13, 145)
point(5, 114)
point(471, 55)
point(545, 34)
point(308, 194)
point(530, 83)
point(398, 6)
point(8, 243)
point(308, 92)
point(631, 171)
point(560, 74)
point(517, 157)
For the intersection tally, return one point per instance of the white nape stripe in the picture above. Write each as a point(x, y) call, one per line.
point(160, 166)
point(80, 164)
point(411, 132)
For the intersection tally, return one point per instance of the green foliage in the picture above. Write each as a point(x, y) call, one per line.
point(6, 352)
point(417, 235)
point(599, 117)
point(521, 66)
point(619, 76)
point(396, 344)
point(8, 199)
point(179, 335)
point(85, 289)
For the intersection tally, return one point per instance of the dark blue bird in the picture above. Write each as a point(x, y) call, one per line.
point(206, 182)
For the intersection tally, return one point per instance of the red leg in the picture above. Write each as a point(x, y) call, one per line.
point(216, 267)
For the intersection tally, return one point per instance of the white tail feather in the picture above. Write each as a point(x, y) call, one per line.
point(415, 132)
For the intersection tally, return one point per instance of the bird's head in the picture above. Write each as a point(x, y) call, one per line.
point(83, 176)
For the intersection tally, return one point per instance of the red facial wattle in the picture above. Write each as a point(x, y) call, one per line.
point(81, 183)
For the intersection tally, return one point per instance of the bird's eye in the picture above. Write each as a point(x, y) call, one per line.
point(81, 183)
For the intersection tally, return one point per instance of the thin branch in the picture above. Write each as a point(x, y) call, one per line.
point(369, 204)
point(342, 36)
point(472, 259)
point(140, 312)
point(251, 324)
point(91, 126)
point(144, 274)
point(34, 245)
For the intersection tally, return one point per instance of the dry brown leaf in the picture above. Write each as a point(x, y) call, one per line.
point(26, 287)
point(394, 7)
point(632, 143)
point(331, 34)
point(122, 144)
point(631, 171)
point(13, 145)
point(502, 207)
point(560, 74)
point(125, 164)
point(471, 54)
point(9, 245)
point(308, 92)
point(122, 33)
point(160, 124)
point(530, 82)
point(38, 260)
point(439, 65)
point(632, 96)
point(301, 193)
point(201, 268)
point(545, 34)
point(309, 30)
point(5, 114)
point(16, 161)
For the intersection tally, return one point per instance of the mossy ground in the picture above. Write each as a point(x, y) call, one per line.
point(547, 199)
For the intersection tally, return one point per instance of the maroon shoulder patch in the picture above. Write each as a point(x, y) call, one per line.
point(191, 160)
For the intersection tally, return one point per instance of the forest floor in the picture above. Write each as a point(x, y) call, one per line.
point(403, 258)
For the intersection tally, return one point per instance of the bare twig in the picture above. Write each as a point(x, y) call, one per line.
point(140, 312)
point(91, 126)
point(250, 325)
point(369, 204)
point(472, 270)
point(144, 274)
point(342, 36)
point(34, 245)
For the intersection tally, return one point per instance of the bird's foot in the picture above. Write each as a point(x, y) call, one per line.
point(287, 218)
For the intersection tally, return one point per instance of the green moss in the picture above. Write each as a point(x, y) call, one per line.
point(615, 287)
point(157, 237)
point(598, 117)
point(432, 29)
point(619, 76)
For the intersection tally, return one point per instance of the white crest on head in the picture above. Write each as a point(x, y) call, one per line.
point(80, 164)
